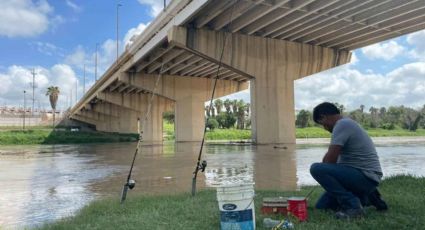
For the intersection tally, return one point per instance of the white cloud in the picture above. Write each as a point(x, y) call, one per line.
point(354, 59)
point(417, 40)
point(47, 48)
point(73, 6)
point(77, 58)
point(156, 6)
point(105, 57)
point(402, 86)
point(134, 32)
point(16, 79)
point(383, 50)
point(24, 18)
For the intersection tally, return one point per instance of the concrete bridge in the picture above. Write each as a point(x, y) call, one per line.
point(268, 43)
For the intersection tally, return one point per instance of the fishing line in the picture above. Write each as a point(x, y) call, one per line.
point(203, 165)
point(131, 183)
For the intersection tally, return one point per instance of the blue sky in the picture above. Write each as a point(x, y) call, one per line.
point(58, 37)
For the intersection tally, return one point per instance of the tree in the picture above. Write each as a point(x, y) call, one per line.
point(228, 105)
point(382, 112)
point(373, 117)
point(212, 124)
point(248, 108)
point(226, 120)
point(235, 106)
point(411, 119)
point(53, 93)
point(422, 123)
point(207, 111)
point(218, 103)
point(241, 114)
point(303, 118)
point(356, 115)
point(394, 115)
point(169, 116)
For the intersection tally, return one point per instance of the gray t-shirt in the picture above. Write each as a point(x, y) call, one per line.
point(358, 150)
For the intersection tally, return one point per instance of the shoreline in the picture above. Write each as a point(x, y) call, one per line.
point(299, 141)
point(376, 140)
point(326, 141)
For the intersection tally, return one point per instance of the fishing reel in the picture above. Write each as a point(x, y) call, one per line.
point(130, 184)
point(202, 166)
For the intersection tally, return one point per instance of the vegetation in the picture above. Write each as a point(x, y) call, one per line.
point(230, 120)
point(47, 136)
point(402, 193)
point(309, 132)
point(236, 114)
point(395, 117)
point(168, 130)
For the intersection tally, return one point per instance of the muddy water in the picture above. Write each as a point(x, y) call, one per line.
point(44, 183)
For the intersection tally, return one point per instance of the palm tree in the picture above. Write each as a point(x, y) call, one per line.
point(241, 114)
point(235, 106)
point(208, 111)
point(218, 103)
point(53, 93)
point(227, 104)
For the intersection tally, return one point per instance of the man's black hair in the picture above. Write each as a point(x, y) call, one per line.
point(325, 108)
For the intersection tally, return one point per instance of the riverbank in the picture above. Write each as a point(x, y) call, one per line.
point(48, 136)
point(376, 140)
point(402, 193)
point(310, 135)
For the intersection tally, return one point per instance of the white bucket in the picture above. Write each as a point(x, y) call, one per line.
point(236, 203)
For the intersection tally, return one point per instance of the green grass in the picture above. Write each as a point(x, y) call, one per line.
point(46, 136)
point(229, 134)
point(38, 127)
point(168, 130)
point(310, 132)
point(404, 195)
point(395, 132)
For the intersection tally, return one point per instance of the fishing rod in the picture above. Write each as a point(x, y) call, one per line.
point(130, 184)
point(202, 165)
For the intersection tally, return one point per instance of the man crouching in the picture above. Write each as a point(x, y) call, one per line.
point(350, 171)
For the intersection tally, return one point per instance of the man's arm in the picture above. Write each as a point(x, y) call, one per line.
point(332, 155)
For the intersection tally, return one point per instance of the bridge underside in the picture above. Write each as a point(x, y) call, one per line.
point(269, 44)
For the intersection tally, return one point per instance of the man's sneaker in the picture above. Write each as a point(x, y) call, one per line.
point(350, 214)
point(376, 200)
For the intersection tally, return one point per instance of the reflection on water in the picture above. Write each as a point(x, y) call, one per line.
point(44, 183)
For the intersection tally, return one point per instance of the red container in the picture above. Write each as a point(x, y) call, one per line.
point(297, 206)
point(274, 205)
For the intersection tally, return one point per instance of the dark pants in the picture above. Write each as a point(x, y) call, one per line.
point(346, 187)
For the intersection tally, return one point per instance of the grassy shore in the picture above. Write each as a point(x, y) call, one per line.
point(48, 136)
point(310, 132)
point(404, 195)
point(45, 135)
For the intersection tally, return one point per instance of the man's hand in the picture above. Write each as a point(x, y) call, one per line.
point(332, 155)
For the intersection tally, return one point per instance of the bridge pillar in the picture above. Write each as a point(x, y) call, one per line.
point(275, 65)
point(126, 108)
point(189, 94)
point(189, 119)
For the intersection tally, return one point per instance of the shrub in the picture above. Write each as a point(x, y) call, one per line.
point(212, 124)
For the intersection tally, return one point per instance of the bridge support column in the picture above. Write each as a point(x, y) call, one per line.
point(127, 108)
point(189, 94)
point(189, 119)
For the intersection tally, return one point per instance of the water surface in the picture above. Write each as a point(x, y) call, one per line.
point(44, 183)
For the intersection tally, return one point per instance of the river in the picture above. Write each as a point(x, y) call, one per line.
point(40, 184)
